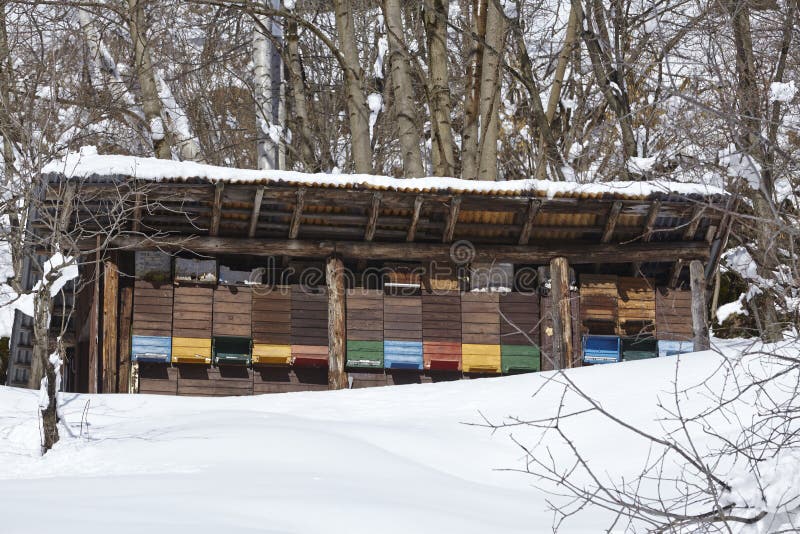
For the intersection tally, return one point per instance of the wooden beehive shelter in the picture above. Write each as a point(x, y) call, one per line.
point(204, 234)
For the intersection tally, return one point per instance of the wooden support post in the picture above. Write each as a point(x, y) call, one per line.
point(452, 219)
point(372, 220)
point(256, 211)
point(412, 227)
point(647, 231)
point(533, 209)
point(94, 327)
point(691, 228)
point(216, 209)
point(675, 274)
point(125, 318)
point(294, 225)
point(562, 313)
point(334, 275)
point(611, 221)
point(697, 280)
point(110, 324)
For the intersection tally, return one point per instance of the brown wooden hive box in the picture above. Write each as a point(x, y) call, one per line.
point(441, 316)
point(519, 312)
point(272, 315)
point(232, 311)
point(193, 307)
point(674, 314)
point(309, 317)
point(480, 318)
point(364, 314)
point(152, 309)
point(402, 318)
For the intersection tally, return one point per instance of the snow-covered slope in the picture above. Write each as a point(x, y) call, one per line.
point(396, 459)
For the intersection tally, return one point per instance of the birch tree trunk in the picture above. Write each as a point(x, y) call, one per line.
point(143, 67)
point(6, 126)
point(404, 105)
point(442, 144)
point(357, 109)
point(266, 127)
point(303, 129)
point(472, 90)
point(491, 83)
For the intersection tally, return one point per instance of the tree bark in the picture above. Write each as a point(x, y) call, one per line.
point(442, 144)
point(143, 67)
point(491, 83)
point(266, 105)
point(334, 275)
point(697, 281)
point(404, 104)
point(472, 90)
point(110, 325)
point(303, 130)
point(562, 313)
point(357, 109)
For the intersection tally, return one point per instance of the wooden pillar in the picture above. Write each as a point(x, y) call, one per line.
point(110, 324)
point(334, 276)
point(562, 313)
point(125, 318)
point(94, 326)
point(697, 279)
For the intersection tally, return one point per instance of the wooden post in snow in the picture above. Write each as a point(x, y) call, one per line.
point(562, 313)
point(94, 360)
point(697, 279)
point(334, 276)
point(110, 324)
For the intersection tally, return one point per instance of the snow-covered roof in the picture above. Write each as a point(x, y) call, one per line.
point(89, 165)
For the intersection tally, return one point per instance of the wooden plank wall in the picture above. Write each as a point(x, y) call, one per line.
point(272, 315)
point(192, 313)
point(285, 379)
point(599, 303)
point(205, 381)
point(441, 330)
point(480, 332)
point(520, 311)
point(402, 318)
point(158, 379)
point(364, 314)
point(309, 329)
point(674, 314)
point(637, 306)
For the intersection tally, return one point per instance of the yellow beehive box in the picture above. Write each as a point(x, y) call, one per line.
point(479, 358)
point(272, 354)
point(191, 350)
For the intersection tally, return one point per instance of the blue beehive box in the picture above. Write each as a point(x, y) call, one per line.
point(402, 354)
point(671, 348)
point(601, 349)
point(151, 349)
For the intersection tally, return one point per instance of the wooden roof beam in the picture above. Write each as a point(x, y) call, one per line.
point(452, 219)
point(216, 209)
point(576, 253)
point(412, 227)
point(647, 231)
point(675, 274)
point(294, 226)
point(533, 209)
point(611, 221)
point(372, 218)
point(259, 197)
point(691, 229)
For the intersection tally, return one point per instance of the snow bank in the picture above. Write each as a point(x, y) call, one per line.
point(89, 163)
point(389, 460)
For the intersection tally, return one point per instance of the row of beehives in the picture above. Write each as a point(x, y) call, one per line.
point(473, 332)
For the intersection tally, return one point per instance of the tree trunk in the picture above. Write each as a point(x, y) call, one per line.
point(491, 83)
point(404, 103)
point(357, 109)
point(42, 368)
point(334, 275)
point(143, 68)
point(562, 313)
point(442, 144)
point(303, 129)
point(266, 148)
point(472, 91)
point(697, 281)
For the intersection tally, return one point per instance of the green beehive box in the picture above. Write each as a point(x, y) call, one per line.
point(231, 350)
point(520, 358)
point(365, 354)
point(639, 348)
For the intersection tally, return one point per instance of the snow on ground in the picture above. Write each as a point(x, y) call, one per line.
point(391, 460)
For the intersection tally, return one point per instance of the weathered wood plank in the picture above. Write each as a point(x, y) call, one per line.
point(216, 209)
point(412, 227)
point(533, 210)
point(611, 221)
point(257, 199)
point(294, 226)
point(110, 324)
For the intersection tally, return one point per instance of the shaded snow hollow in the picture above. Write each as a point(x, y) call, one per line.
point(390, 460)
point(89, 163)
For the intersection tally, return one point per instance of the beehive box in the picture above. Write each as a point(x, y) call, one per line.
point(441, 330)
point(480, 332)
point(364, 328)
point(153, 266)
point(519, 332)
point(674, 315)
point(272, 325)
point(199, 381)
point(599, 299)
point(546, 331)
point(232, 311)
point(152, 309)
point(232, 350)
point(157, 379)
point(637, 303)
point(309, 327)
point(192, 324)
point(287, 379)
point(402, 332)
